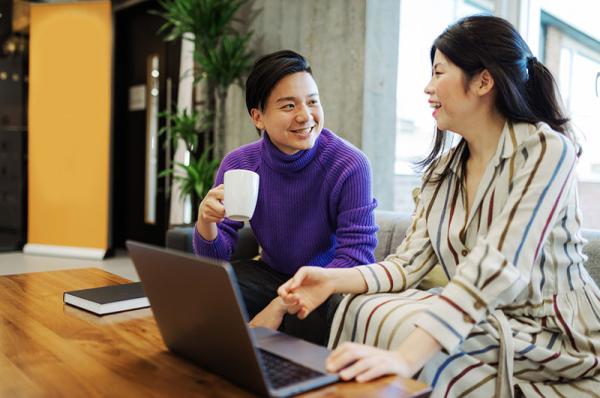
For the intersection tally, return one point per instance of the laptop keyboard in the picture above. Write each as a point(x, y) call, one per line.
point(282, 372)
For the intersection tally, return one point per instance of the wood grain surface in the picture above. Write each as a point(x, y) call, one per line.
point(48, 348)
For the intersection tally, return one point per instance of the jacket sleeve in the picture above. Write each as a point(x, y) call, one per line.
point(224, 244)
point(355, 233)
point(498, 268)
point(413, 259)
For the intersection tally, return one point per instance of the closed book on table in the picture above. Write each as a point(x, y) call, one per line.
point(108, 299)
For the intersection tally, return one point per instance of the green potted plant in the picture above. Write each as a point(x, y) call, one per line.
point(195, 179)
point(221, 53)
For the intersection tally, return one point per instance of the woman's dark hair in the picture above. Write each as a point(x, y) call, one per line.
point(525, 90)
point(267, 71)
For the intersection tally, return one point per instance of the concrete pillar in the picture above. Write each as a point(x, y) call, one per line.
point(379, 95)
point(357, 82)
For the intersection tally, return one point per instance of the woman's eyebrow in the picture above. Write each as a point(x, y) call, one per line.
point(292, 98)
point(285, 99)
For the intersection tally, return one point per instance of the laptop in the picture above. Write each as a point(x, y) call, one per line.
point(201, 317)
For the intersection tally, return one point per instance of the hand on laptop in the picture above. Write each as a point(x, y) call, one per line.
point(365, 363)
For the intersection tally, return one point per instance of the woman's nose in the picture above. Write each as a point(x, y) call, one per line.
point(428, 88)
point(302, 115)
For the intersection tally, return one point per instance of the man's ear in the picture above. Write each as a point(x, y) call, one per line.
point(484, 82)
point(257, 118)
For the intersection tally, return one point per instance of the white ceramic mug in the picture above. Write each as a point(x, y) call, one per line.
point(241, 193)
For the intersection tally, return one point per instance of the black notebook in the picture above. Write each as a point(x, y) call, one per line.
point(108, 299)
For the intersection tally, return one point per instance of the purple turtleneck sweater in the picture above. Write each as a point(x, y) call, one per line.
point(314, 207)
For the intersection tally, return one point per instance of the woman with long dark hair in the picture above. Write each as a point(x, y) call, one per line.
point(499, 214)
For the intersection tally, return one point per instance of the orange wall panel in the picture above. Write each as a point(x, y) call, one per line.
point(69, 124)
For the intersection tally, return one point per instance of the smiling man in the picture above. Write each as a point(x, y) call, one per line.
point(315, 205)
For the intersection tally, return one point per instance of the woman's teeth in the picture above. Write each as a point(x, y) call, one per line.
point(302, 131)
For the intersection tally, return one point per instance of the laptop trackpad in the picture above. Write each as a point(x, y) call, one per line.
point(296, 350)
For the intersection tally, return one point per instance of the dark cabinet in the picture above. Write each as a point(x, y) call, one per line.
point(13, 151)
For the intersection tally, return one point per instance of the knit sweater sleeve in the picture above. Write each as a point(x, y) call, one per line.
point(356, 229)
point(223, 246)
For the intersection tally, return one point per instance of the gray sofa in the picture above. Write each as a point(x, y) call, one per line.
point(392, 228)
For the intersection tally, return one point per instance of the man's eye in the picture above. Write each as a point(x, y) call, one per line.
point(288, 106)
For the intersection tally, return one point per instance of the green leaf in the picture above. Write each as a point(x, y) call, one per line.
point(222, 57)
point(196, 177)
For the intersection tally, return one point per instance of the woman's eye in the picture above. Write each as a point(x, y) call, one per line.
point(313, 102)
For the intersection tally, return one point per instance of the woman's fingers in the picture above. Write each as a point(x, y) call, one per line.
point(304, 312)
point(211, 209)
point(214, 206)
point(293, 309)
point(219, 192)
point(373, 372)
point(284, 292)
point(364, 363)
point(343, 356)
point(356, 369)
point(298, 279)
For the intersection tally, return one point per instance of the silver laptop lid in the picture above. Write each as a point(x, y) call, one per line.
point(212, 333)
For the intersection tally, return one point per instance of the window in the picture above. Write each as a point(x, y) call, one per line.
point(415, 127)
point(573, 56)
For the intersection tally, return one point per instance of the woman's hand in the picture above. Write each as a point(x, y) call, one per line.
point(210, 212)
point(365, 363)
point(271, 316)
point(307, 289)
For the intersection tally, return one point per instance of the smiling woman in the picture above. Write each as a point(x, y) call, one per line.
point(293, 115)
point(499, 214)
point(314, 204)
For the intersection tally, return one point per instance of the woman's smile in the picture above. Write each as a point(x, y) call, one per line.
point(293, 116)
point(303, 132)
point(436, 106)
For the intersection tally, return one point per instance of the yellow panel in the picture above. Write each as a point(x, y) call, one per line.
point(69, 124)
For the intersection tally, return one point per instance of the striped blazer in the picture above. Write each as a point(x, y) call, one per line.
point(517, 252)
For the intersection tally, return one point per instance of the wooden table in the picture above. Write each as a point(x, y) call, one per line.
point(51, 349)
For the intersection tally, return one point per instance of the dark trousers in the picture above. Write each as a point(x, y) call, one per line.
point(258, 284)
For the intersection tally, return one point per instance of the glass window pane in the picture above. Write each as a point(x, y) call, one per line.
point(578, 65)
point(415, 127)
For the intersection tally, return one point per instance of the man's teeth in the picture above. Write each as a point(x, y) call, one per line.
point(435, 106)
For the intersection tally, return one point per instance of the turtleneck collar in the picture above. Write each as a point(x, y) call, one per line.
point(282, 162)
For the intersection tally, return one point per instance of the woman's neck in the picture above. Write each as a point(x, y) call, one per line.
point(482, 136)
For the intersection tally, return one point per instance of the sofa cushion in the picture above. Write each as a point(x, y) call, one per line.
point(592, 251)
point(392, 229)
point(181, 238)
